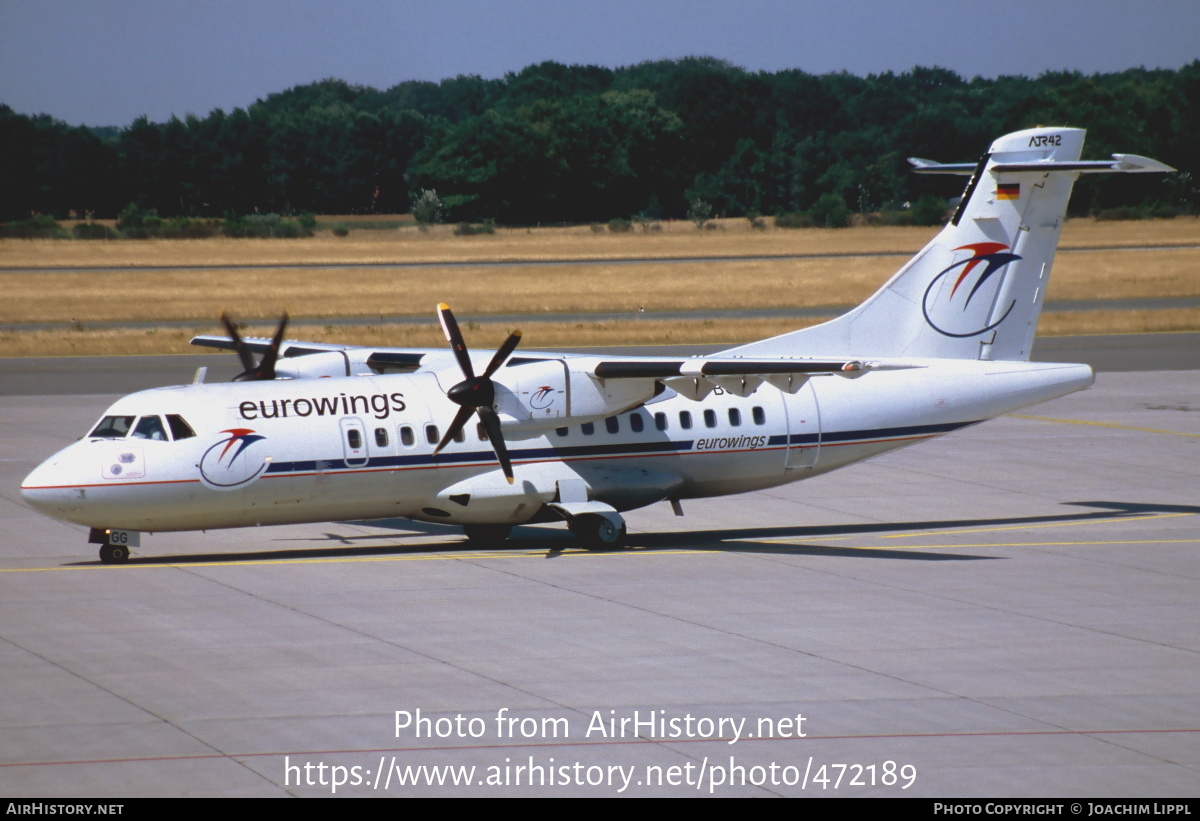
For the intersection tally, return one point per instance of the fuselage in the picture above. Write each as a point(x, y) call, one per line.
point(310, 450)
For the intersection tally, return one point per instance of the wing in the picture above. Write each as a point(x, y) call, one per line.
point(696, 377)
point(325, 358)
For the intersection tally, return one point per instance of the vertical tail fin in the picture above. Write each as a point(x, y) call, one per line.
point(976, 290)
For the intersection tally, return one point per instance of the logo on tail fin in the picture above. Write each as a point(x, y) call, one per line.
point(954, 306)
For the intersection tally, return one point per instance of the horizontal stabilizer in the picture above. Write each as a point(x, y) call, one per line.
point(921, 166)
point(1119, 164)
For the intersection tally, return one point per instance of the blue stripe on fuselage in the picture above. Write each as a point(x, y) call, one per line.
point(626, 449)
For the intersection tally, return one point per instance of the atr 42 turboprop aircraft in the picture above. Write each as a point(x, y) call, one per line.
point(319, 432)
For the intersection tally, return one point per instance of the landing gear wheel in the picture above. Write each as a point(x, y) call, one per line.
point(598, 532)
point(114, 553)
point(487, 535)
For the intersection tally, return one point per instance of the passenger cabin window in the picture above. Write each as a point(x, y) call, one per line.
point(710, 418)
point(112, 427)
point(735, 417)
point(381, 437)
point(587, 428)
point(660, 421)
point(354, 439)
point(459, 436)
point(406, 436)
point(150, 427)
point(612, 424)
point(179, 428)
point(760, 416)
point(561, 431)
point(636, 423)
point(431, 434)
point(685, 420)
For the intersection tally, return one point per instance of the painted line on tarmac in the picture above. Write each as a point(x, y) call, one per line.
point(1101, 424)
point(1092, 543)
point(629, 553)
point(533, 553)
point(807, 738)
point(1031, 527)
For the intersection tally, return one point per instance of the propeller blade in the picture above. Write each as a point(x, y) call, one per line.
point(455, 338)
point(238, 345)
point(491, 425)
point(460, 419)
point(476, 394)
point(266, 368)
point(502, 354)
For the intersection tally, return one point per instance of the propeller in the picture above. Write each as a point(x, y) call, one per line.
point(265, 369)
point(476, 394)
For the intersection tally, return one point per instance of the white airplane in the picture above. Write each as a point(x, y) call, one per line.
point(320, 432)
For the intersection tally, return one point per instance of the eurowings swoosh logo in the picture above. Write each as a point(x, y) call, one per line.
point(958, 304)
point(543, 398)
point(227, 465)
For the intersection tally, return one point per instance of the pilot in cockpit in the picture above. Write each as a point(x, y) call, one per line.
point(150, 427)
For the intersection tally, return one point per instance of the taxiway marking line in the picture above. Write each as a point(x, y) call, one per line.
point(808, 739)
point(1101, 424)
point(1000, 544)
point(587, 554)
point(1031, 527)
point(540, 554)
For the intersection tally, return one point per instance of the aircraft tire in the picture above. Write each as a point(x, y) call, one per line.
point(487, 535)
point(598, 533)
point(114, 554)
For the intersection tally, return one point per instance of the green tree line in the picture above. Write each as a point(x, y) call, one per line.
point(576, 143)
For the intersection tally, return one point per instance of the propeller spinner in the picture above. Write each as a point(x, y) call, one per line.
point(476, 394)
point(265, 369)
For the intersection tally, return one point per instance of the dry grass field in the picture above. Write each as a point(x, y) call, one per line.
point(135, 291)
point(732, 237)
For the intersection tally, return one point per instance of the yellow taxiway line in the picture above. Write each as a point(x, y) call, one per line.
point(1032, 527)
point(1100, 424)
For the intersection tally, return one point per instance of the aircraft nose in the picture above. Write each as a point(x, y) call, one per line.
point(53, 487)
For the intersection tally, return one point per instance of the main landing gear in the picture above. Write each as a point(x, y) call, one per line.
point(487, 535)
point(593, 530)
point(596, 532)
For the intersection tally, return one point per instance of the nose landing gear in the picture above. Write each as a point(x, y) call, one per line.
point(114, 553)
point(114, 544)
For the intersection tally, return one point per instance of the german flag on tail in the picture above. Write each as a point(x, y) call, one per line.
point(1008, 191)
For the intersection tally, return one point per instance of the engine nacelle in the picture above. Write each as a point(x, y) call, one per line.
point(549, 393)
point(314, 365)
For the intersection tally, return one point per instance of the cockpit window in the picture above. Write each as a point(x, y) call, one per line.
point(150, 427)
point(112, 427)
point(179, 428)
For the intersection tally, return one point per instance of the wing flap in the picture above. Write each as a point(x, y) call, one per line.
point(667, 368)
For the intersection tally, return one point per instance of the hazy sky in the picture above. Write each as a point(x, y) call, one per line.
point(106, 62)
